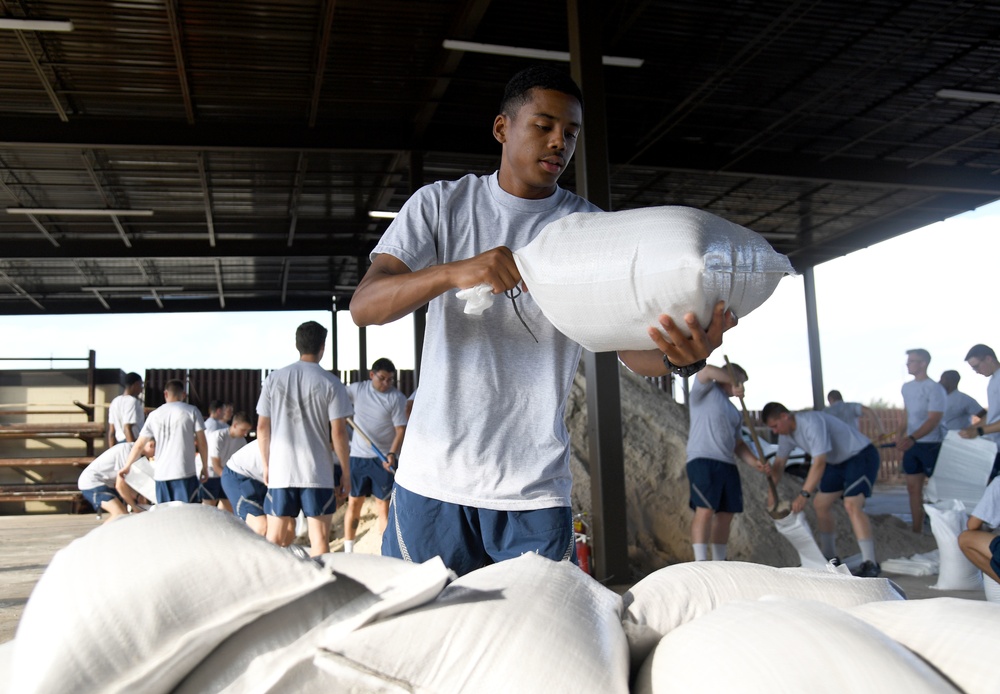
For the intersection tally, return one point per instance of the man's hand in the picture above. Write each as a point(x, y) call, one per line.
point(495, 267)
point(682, 350)
point(799, 504)
point(968, 433)
point(904, 443)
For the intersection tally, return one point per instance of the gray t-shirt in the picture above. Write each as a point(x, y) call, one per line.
point(958, 410)
point(247, 462)
point(126, 409)
point(993, 404)
point(378, 415)
point(490, 430)
point(302, 399)
point(715, 424)
point(920, 398)
point(819, 433)
point(847, 412)
point(104, 469)
point(173, 426)
point(221, 445)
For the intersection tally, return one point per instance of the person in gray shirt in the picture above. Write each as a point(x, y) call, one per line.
point(959, 408)
point(844, 464)
point(851, 412)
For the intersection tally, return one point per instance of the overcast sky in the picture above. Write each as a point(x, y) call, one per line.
point(929, 288)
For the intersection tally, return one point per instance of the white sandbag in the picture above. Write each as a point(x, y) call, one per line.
point(926, 564)
point(604, 278)
point(279, 647)
point(991, 589)
point(952, 634)
point(115, 611)
point(737, 648)
point(948, 520)
point(523, 625)
point(795, 529)
point(6, 665)
point(140, 479)
point(962, 470)
point(678, 594)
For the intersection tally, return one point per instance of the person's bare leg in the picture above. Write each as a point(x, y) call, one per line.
point(352, 517)
point(975, 544)
point(721, 523)
point(915, 489)
point(382, 509)
point(258, 524)
point(114, 508)
point(281, 530)
point(701, 529)
point(855, 507)
point(823, 505)
point(319, 534)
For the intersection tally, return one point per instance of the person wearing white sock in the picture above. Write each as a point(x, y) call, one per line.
point(828, 544)
point(348, 546)
point(844, 465)
point(714, 440)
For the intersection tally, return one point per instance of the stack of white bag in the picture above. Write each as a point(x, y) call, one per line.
point(604, 278)
point(188, 600)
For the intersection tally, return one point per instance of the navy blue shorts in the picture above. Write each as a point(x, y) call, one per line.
point(184, 489)
point(921, 458)
point(468, 538)
point(854, 476)
point(715, 485)
point(98, 495)
point(995, 551)
point(369, 478)
point(244, 493)
point(211, 490)
point(288, 501)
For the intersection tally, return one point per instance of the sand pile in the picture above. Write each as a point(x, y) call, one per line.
point(654, 431)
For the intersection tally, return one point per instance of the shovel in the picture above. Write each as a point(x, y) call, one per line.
point(780, 509)
point(381, 456)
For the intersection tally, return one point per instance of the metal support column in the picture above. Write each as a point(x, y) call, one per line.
point(604, 424)
point(334, 346)
point(812, 328)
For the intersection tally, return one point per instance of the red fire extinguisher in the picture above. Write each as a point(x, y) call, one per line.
point(581, 532)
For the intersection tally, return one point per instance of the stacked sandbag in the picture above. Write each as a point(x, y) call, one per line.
point(604, 278)
point(135, 604)
point(523, 625)
point(676, 595)
point(795, 528)
point(957, 637)
point(775, 645)
point(948, 521)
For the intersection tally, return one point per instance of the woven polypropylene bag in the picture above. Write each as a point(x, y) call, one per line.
point(604, 278)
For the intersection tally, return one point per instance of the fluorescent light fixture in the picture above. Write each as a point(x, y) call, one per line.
point(36, 24)
point(962, 95)
point(109, 289)
point(534, 53)
point(380, 214)
point(79, 212)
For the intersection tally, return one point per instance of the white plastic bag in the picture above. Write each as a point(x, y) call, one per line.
point(948, 520)
point(795, 529)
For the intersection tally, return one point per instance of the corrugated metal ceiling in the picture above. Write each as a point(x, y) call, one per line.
point(262, 134)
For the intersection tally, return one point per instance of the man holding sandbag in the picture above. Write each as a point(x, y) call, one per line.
point(486, 476)
point(713, 439)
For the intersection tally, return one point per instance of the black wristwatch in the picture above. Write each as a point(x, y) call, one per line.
point(684, 371)
point(805, 494)
point(979, 431)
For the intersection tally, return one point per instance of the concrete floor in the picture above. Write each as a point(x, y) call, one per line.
point(27, 544)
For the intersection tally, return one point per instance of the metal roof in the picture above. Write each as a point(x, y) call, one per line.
point(261, 134)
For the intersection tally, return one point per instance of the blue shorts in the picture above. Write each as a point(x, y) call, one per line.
point(854, 476)
point(715, 485)
point(995, 551)
point(184, 489)
point(468, 538)
point(244, 493)
point(369, 478)
point(211, 490)
point(288, 501)
point(921, 458)
point(98, 495)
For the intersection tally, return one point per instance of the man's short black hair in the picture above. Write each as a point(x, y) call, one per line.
point(515, 95)
point(384, 364)
point(132, 377)
point(216, 405)
point(310, 338)
point(980, 352)
point(951, 374)
point(175, 387)
point(772, 409)
point(834, 395)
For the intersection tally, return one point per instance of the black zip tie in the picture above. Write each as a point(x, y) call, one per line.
point(511, 295)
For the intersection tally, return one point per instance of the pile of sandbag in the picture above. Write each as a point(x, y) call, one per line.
point(188, 600)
